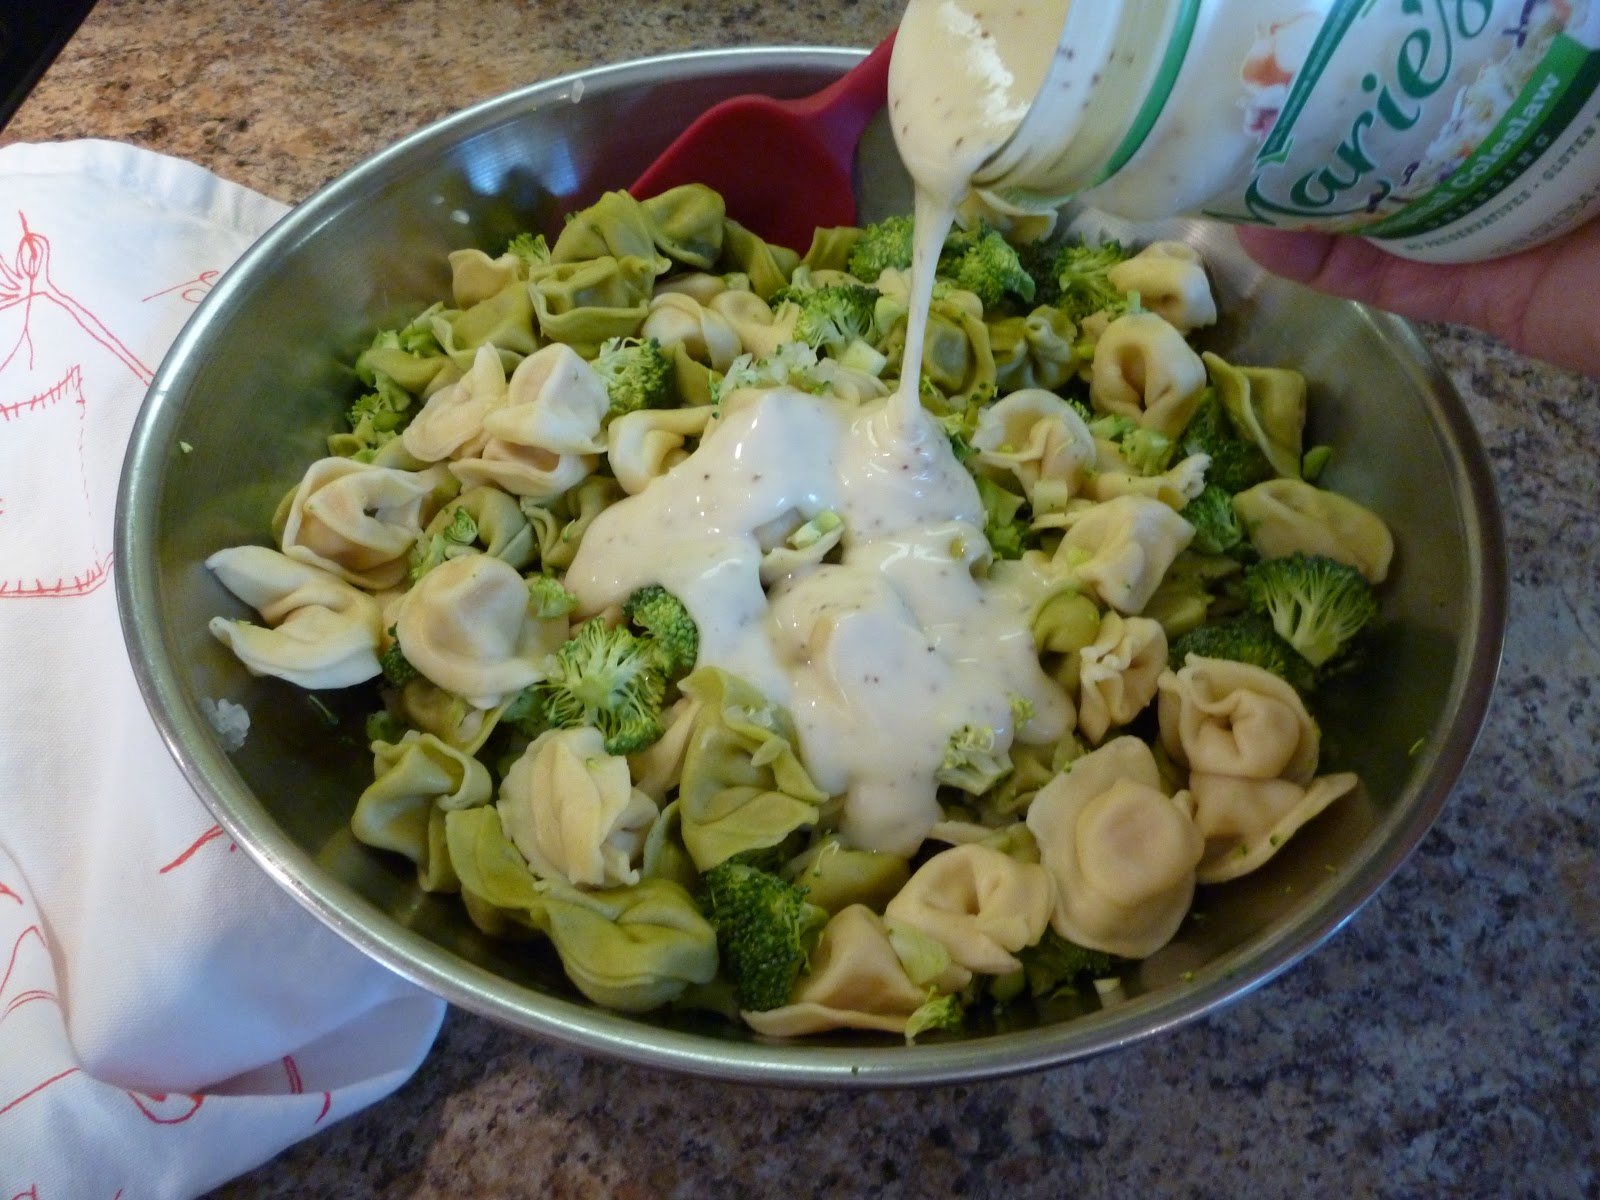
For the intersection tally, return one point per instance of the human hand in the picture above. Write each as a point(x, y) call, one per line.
point(1543, 302)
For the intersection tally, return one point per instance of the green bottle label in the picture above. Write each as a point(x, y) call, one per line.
point(1428, 135)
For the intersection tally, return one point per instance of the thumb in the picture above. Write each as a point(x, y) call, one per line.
point(1533, 300)
point(1357, 270)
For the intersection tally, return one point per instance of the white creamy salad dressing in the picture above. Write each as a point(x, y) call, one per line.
point(963, 76)
point(880, 657)
point(883, 655)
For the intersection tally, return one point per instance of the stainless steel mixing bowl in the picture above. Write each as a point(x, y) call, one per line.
point(256, 382)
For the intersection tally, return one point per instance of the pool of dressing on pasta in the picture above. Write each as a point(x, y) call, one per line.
point(884, 654)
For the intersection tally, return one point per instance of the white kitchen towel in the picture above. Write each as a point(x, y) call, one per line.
point(169, 1017)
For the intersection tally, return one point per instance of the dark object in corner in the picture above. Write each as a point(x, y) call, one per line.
point(31, 35)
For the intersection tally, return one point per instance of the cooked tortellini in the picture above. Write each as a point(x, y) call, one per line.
point(475, 277)
point(676, 319)
point(855, 981)
point(644, 445)
point(743, 787)
point(467, 628)
point(1144, 369)
point(632, 949)
point(1120, 851)
point(981, 905)
point(357, 520)
point(752, 321)
point(1174, 487)
point(1283, 516)
point(1119, 550)
point(416, 782)
point(1039, 350)
point(1268, 404)
point(321, 632)
point(1171, 282)
point(573, 811)
point(1118, 673)
point(1245, 821)
point(587, 302)
point(555, 401)
point(451, 422)
point(1234, 718)
point(1035, 436)
point(545, 437)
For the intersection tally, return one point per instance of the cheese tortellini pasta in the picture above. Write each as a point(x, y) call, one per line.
point(321, 632)
point(1120, 851)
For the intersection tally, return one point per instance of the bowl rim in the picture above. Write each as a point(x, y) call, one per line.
point(188, 736)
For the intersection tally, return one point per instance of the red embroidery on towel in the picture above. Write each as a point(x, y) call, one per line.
point(193, 290)
point(32, 1194)
point(68, 390)
point(31, 302)
point(5, 891)
point(297, 1086)
point(209, 835)
point(164, 1108)
point(25, 997)
point(16, 952)
point(36, 1089)
point(28, 280)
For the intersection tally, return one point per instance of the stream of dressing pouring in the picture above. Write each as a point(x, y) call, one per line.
point(884, 654)
point(963, 76)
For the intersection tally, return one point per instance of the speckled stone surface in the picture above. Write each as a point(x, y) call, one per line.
point(1445, 1043)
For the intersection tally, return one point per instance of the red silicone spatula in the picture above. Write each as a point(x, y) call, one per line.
point(782, 166)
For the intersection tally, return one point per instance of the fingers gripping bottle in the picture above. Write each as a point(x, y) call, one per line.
point(1442, 130)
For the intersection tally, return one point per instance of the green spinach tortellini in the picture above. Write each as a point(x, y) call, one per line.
point(633, 948)
point(418, 780)
point(743, 786)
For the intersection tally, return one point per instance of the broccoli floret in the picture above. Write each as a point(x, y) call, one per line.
point(1236, 462)
point(792, 364)
point(414, 340)
point(637, 374)
point(1007, 532)
point(1216, 526)
point(1054, 965)
point(959, 426)
point(1082, 274)
point(1248, 638)
point(1038, 259)
point(884, 245)
point(378, 416)
point(454, 539)
point(384, 726)
point(1145, 451)
point(531, 248)
point(397, 668)
point(606, 677)
point(525, 713)
point(666, 625)
point(971, 761)
point(548, 598)
point(766, 929)
point(1316, 604)
point(833, 318)
point(979, 260)
point(938, 1012)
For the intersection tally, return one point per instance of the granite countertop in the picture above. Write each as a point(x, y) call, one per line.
point(1445, 1042)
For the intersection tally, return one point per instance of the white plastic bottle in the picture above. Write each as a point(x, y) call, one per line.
point(1443, 130)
